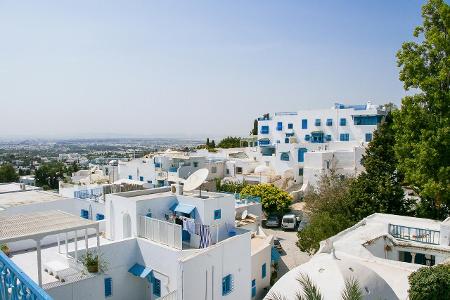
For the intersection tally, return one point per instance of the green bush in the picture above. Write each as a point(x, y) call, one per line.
point(430, 283)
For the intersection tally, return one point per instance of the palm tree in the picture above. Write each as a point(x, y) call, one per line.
point(310, 291)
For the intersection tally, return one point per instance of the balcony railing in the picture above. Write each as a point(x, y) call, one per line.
point(170, 296)
point(163, 232)
point(426, 236)
point(15, 284)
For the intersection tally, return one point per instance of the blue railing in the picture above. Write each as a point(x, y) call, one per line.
point(88, 193)
point(426, 236)
point(15, 284)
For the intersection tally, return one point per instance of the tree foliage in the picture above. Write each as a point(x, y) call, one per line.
point(430, 283)
point(273, 199)
point(48, 175)
point(229, 187)
point(8, 173)
point(330, 210)
point(422, 125)
point(379, 187)
point(230, 142)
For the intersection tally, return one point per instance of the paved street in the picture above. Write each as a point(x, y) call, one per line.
point(291, 255)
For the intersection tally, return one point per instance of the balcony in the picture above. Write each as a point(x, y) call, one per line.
point(426, 236)
point(15, 284)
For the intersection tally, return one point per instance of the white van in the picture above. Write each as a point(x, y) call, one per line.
point(289, 221)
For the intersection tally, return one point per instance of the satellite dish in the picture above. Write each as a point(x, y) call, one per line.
point(244, 215)
point(195, 180)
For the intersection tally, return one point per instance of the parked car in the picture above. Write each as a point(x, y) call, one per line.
point(289, 221)
point(302, 225)
point(273, 221)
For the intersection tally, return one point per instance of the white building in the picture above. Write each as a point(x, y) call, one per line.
point(380, 251)
point(305, 144)
point(170, 166)
point(150, 253)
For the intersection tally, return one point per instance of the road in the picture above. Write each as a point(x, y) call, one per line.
point(291, 256)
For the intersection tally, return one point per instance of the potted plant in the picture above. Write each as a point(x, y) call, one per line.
point(93, 262)
point(5, 249)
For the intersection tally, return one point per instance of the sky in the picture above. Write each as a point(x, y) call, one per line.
point(191, 68)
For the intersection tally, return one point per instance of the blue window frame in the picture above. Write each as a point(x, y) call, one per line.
point(108, 287)
point(280, 126)
point(263, 270)
point(253, 288)
point(227, 285)
point(264, 129)
point(284, 156)
point(366, 120)
point(343, 122)
point(329, 122)
point(307, 137)
point(301, 154)
point(368, 137)
point(328, 137)
point(130, 177)
point(141, 178)
point(99, 217)
point(217, 214)
point(286, 140)
point(263, 142)
point(290, 126)
point(304, 124)
point(84, 213)
point(156, 287)
point(317, 123)
point(344, 137)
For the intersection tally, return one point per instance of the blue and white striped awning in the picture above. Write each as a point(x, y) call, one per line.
point(140, 271)
point(184, 208)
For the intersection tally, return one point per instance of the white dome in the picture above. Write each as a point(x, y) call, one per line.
point(329, 273)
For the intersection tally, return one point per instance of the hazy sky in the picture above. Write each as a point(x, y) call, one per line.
point(191, 68)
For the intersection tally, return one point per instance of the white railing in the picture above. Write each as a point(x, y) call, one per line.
point(170, 296)
point(159, 231)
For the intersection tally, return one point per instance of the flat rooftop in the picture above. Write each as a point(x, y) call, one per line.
point(15, 187)
point(27, 197)
point(30, 225)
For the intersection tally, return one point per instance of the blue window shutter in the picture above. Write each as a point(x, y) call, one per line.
point(99, 217)
point(84, 214)
point(284, 156)
point(307, 137)
point(304, 124)
point(301, 154)
point(280, 126)
point(343, 122)
point(156, 287)
point(130, 177)
point(286, 140)
point(217, 214)
point(317, 122)
point(227, 285)
point(253, 288)
point(344, 137)
point(328, 137)
point(108, 287)
point(368, 137)
point(290, 126)
point(263, 270)
point(329, 122)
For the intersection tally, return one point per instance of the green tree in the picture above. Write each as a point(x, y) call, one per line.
point(379, 187)
point(254, 131)
point(430, 283)
point(8, 173)
point(273, 199)
point(48, 175)
point(422, 125)
point(230, 142)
